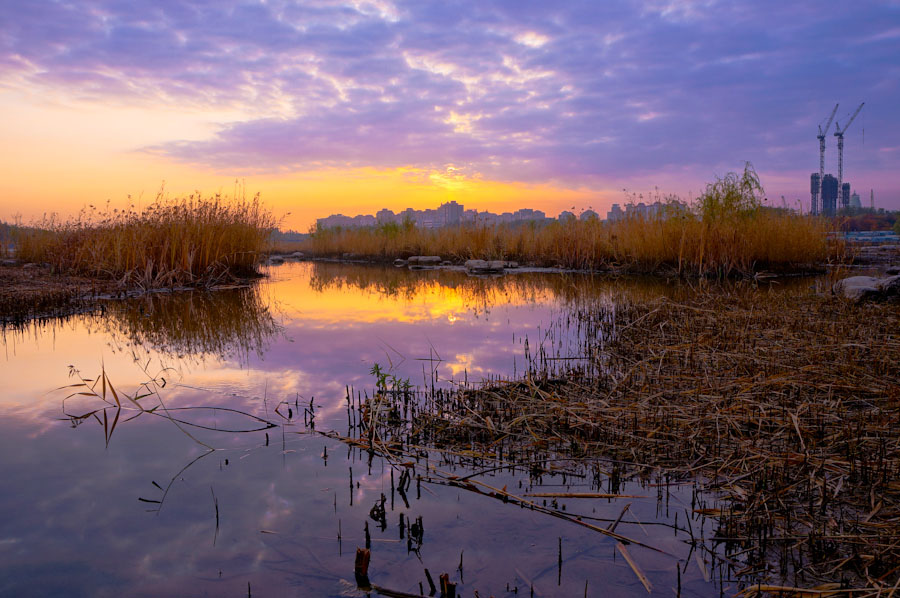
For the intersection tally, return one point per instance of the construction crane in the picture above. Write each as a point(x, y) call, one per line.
point(839, 133)
point(821, 138)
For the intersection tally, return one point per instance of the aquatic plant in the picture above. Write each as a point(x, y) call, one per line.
point(779, 408)
point(193, 241)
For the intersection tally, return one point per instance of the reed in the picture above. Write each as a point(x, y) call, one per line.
point(780, 408)
point(173, 242)
point(729, 231)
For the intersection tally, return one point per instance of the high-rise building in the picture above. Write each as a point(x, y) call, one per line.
point(815, 204)
point(829, 195)
point(450, 214)
point(845, 195)
point(615, 213)
point(854, 200)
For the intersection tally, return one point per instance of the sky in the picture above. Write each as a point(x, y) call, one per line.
point(350, 106)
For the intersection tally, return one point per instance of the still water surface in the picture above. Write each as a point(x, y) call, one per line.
point(142, 507)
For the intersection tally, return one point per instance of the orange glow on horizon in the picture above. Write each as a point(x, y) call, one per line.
point(61, 156)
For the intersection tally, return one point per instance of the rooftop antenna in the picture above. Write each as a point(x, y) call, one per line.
point(839, 133)
point(821, 138)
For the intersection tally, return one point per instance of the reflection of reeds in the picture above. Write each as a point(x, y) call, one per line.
point(569, 288)
point(172, 242)
point(783, 407)
point(194, 324)
point(728, 232)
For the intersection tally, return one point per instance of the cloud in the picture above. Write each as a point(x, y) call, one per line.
point(509, 90)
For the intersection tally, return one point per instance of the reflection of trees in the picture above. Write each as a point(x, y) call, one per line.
point(569, 288)
point(231, 322)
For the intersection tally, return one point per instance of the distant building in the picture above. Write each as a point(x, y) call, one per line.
point(814, 202)
point(845, 195)
point(450, 214)
point(385, 216)
point(854, 200)
point(588, 215)
point(566, 216)
point(829, 195)
point(615, 213)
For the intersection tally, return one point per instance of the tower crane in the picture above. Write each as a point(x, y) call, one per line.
point(821, 138)
point(839, 133)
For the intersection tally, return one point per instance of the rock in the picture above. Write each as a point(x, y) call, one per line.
point(511, 265)
point(893, 270)
point(276, 259)
point(30, 265)
point(890, 286)
point(297, 255)
point(9, 262)
point(863, 288)
point(417, 262)
point(446, 263)
point(485, 266)
point(399, 262)
point(424, 260)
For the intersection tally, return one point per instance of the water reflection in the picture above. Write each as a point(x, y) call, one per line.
point(479, 292)
point(234, 323)
point(150, 510)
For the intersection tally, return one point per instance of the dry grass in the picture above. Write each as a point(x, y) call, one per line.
point(783, 407)
point(193, 241)
point(728, 232)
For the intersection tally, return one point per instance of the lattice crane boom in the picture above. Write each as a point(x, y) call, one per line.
point(821, 137)
point(839, 133)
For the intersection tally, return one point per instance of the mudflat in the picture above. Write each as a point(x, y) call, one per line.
point(29, 290)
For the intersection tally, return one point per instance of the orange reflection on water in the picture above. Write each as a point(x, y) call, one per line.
point(328, 293)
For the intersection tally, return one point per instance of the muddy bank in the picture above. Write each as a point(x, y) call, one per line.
point(32, 291)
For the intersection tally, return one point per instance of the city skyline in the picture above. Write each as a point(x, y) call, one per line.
point(454, 214)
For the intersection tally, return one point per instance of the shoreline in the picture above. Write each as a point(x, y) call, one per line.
point(30, 292)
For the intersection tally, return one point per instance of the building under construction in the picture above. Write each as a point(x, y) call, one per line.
point(829, 199)
point(827, 192)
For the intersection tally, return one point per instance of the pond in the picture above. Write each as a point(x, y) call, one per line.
point(233, 475)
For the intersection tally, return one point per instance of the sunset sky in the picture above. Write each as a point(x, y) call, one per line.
point(329, 106)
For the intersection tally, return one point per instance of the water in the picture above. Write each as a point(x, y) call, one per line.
point(228, 487)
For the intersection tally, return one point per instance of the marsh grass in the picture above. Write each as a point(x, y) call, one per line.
point(779, 407)
point(173, 242)
point(729, 231)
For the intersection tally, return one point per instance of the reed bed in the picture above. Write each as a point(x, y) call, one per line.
point(782, 408)
point(728, 232)
point(173, 242)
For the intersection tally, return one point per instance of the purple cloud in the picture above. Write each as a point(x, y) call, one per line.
point(578, 93)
